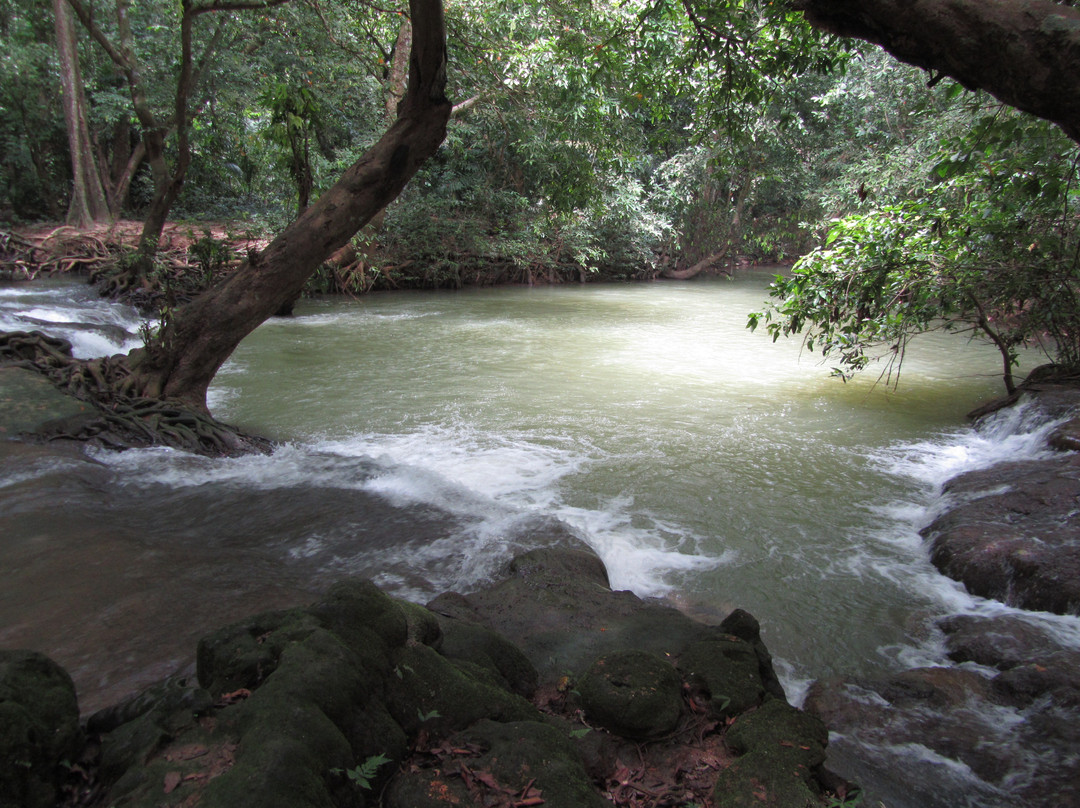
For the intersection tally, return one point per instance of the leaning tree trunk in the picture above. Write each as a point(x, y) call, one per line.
point(1023, 52)
point(202, 334)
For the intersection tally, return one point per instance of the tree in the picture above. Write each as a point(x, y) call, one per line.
point(992, 246)
point(986, 242)
point(1022, 52)
point(156, 126)
point(200, 336)
point(88, 203)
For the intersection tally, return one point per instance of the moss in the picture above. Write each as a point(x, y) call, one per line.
point(523, 752)
point(39, 727)
point(472, 643)
point(781, 729)
point(430, 685)
point(244, 654)
point(755, 782)
point(782, 748)
point(423, 625)
point(728, 670)
point(632, 693)
point(355, 609)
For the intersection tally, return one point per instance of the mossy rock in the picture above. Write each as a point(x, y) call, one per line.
point(516, 755)
point(134, 730)
point(355, 609)
point(633, 694)
point(479, 646)
point(778, 728)
point(39, 728)
point(727, 669)
point(422, 625)
point(754, 781)
point(244, 654)
point(782, 749)
point(428, 690)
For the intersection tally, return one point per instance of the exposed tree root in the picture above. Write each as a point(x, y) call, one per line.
point(188, 260)
point(120, 421)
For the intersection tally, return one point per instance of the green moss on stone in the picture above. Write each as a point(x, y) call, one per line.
point(482, 647)
point(430, 685)
point(39, 727)
point(632, 693)
point(728, 670)
point(423, 625)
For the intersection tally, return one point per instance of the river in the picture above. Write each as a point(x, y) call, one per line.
point(427, 436)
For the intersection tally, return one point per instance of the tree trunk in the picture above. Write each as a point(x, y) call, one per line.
point(88, 203)
point(202, 334)
point(1023, 52)
point(734, 233)
point(397, 80)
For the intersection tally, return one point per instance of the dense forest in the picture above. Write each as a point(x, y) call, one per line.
point(628, 140)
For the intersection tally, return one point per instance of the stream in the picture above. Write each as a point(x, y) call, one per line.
point(426, 438)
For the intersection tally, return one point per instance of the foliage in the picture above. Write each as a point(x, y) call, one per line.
point(363, 774)
point(34, 169)
point(992, 248)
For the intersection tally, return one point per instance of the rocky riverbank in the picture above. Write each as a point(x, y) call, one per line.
point(1004, 723)
point(601, 699)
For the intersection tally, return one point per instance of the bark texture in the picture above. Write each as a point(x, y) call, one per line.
point(203, 334)
point(1025, 53)
point(88, 203)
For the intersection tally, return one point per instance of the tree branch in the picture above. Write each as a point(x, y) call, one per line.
point(1022, 53)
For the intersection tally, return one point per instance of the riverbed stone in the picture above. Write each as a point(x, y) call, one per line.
point(925, 718)
point(1002, 641)
point(1013, 533)
point(39, 728)
point(727, 671)
point(781, 750)
point(28, 401)
point(632, 693)
point(556, 606)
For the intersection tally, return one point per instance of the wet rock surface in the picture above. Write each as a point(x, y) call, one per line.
point(1012, 532)
point(1002, 730)
point(362, 700)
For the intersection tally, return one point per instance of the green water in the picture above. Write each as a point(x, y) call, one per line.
point(704, 462)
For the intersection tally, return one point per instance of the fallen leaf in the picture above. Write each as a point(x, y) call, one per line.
point(172, 780)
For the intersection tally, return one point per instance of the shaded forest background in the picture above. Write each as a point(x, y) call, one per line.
point(608, 141)
point(615, 141)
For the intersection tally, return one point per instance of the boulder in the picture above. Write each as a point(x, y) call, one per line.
point(954, 721)
point(39, 728)
point(1013, 534)
point(781, 750)
point(632, 693)
point(726, 669)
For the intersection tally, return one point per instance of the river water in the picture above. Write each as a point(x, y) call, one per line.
point(428, 436)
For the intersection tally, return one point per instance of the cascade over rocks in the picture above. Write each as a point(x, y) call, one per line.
point(1009, 532)
point(364, 700)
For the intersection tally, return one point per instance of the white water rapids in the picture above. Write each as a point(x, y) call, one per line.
point(425, 436)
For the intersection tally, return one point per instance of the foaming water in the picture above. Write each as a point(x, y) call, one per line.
point(427, 438)
point(73, 312)
point(1015, 434)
